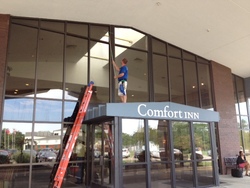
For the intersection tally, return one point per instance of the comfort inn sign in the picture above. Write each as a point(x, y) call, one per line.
point(158, 110)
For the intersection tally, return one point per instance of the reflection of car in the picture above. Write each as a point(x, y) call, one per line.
point(198, 154)
point(47, 156)
point(137, 152)
point(125, 153)
point(177, 154)
point(4, 157)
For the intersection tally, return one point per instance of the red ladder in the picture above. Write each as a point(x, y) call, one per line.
point(72, 138)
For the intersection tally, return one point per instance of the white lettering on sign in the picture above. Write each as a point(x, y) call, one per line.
point(165, 112)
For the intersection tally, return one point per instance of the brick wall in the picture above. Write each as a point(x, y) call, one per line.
point(4, 30)
point(228, 132)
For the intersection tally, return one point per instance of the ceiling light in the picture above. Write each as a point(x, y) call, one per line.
point(202, 83)
point(193, 87)
point(27, 84)
point(16, 90)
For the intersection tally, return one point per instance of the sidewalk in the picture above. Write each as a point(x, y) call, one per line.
point(227, 181)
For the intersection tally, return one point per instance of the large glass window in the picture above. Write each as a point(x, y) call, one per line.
point(99, 71)
point(21, 61)
point(50, 64)
point(159, 143)
point(205, 86)
point(191, 82)
point(130, 38)
point(18, 109)
point(160, 78)
point(137, 90)
point(76, 59)
point(176, 81)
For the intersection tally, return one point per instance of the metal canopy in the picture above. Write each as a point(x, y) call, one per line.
point(152, 110)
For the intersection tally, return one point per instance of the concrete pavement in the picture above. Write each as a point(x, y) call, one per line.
point(227, 181)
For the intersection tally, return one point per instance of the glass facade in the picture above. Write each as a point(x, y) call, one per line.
point(242, 114)
point(190, 158)
point(51, 62)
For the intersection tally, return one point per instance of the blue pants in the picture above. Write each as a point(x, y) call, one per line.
point(80, 172)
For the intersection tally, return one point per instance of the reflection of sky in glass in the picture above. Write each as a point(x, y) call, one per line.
point(48, 110)
point(18, 109)
point(69, 108)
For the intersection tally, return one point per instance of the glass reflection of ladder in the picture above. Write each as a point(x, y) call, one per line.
point(58, 178)
point(108, 132)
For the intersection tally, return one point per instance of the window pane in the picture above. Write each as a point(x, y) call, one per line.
point(205, 87)
point(158, 140)
point(190, 72)
point(46, 135)
point(159, 47)
point(133, 139)
point(202, 141)
point(185, 175)
point(160, 78)
point(50, 65)
point(189, 56)
point(99, 71)
point(137, 90)
point(99, 32)
point(53, 25)
point(77, 29)
point(76, 66)
point(176, 81)
point(23, 21)
point(130, 38)
point(135, 179)
point(48, 110)
point(16, 137)
point(160, 175)
point(173, 51)
point(21, 61)
point(241, 95)
point(70, 111)
point(18, 109)
point(181, 140)
point(205, 174)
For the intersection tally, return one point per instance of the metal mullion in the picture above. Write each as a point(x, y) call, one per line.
point(195, 181)
point(147, 152)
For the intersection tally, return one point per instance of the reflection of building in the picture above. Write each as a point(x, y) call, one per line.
point(44, 139)
point(45, 63)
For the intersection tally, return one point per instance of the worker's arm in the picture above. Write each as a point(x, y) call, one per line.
point(116, 67)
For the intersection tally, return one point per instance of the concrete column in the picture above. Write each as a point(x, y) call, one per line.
point(4, 32)
point(227, 132)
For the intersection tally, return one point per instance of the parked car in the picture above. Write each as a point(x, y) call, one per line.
point(47, 156)
point(4, 157)
point(125, 153)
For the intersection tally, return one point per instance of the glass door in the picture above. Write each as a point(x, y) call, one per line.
point(102, 154)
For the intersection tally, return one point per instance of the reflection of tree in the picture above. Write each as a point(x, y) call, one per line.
point(17, 142)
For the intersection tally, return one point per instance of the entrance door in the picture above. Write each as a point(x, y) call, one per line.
point(102, 145)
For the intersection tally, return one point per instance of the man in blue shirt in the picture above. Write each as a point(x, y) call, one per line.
point(122, 79)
